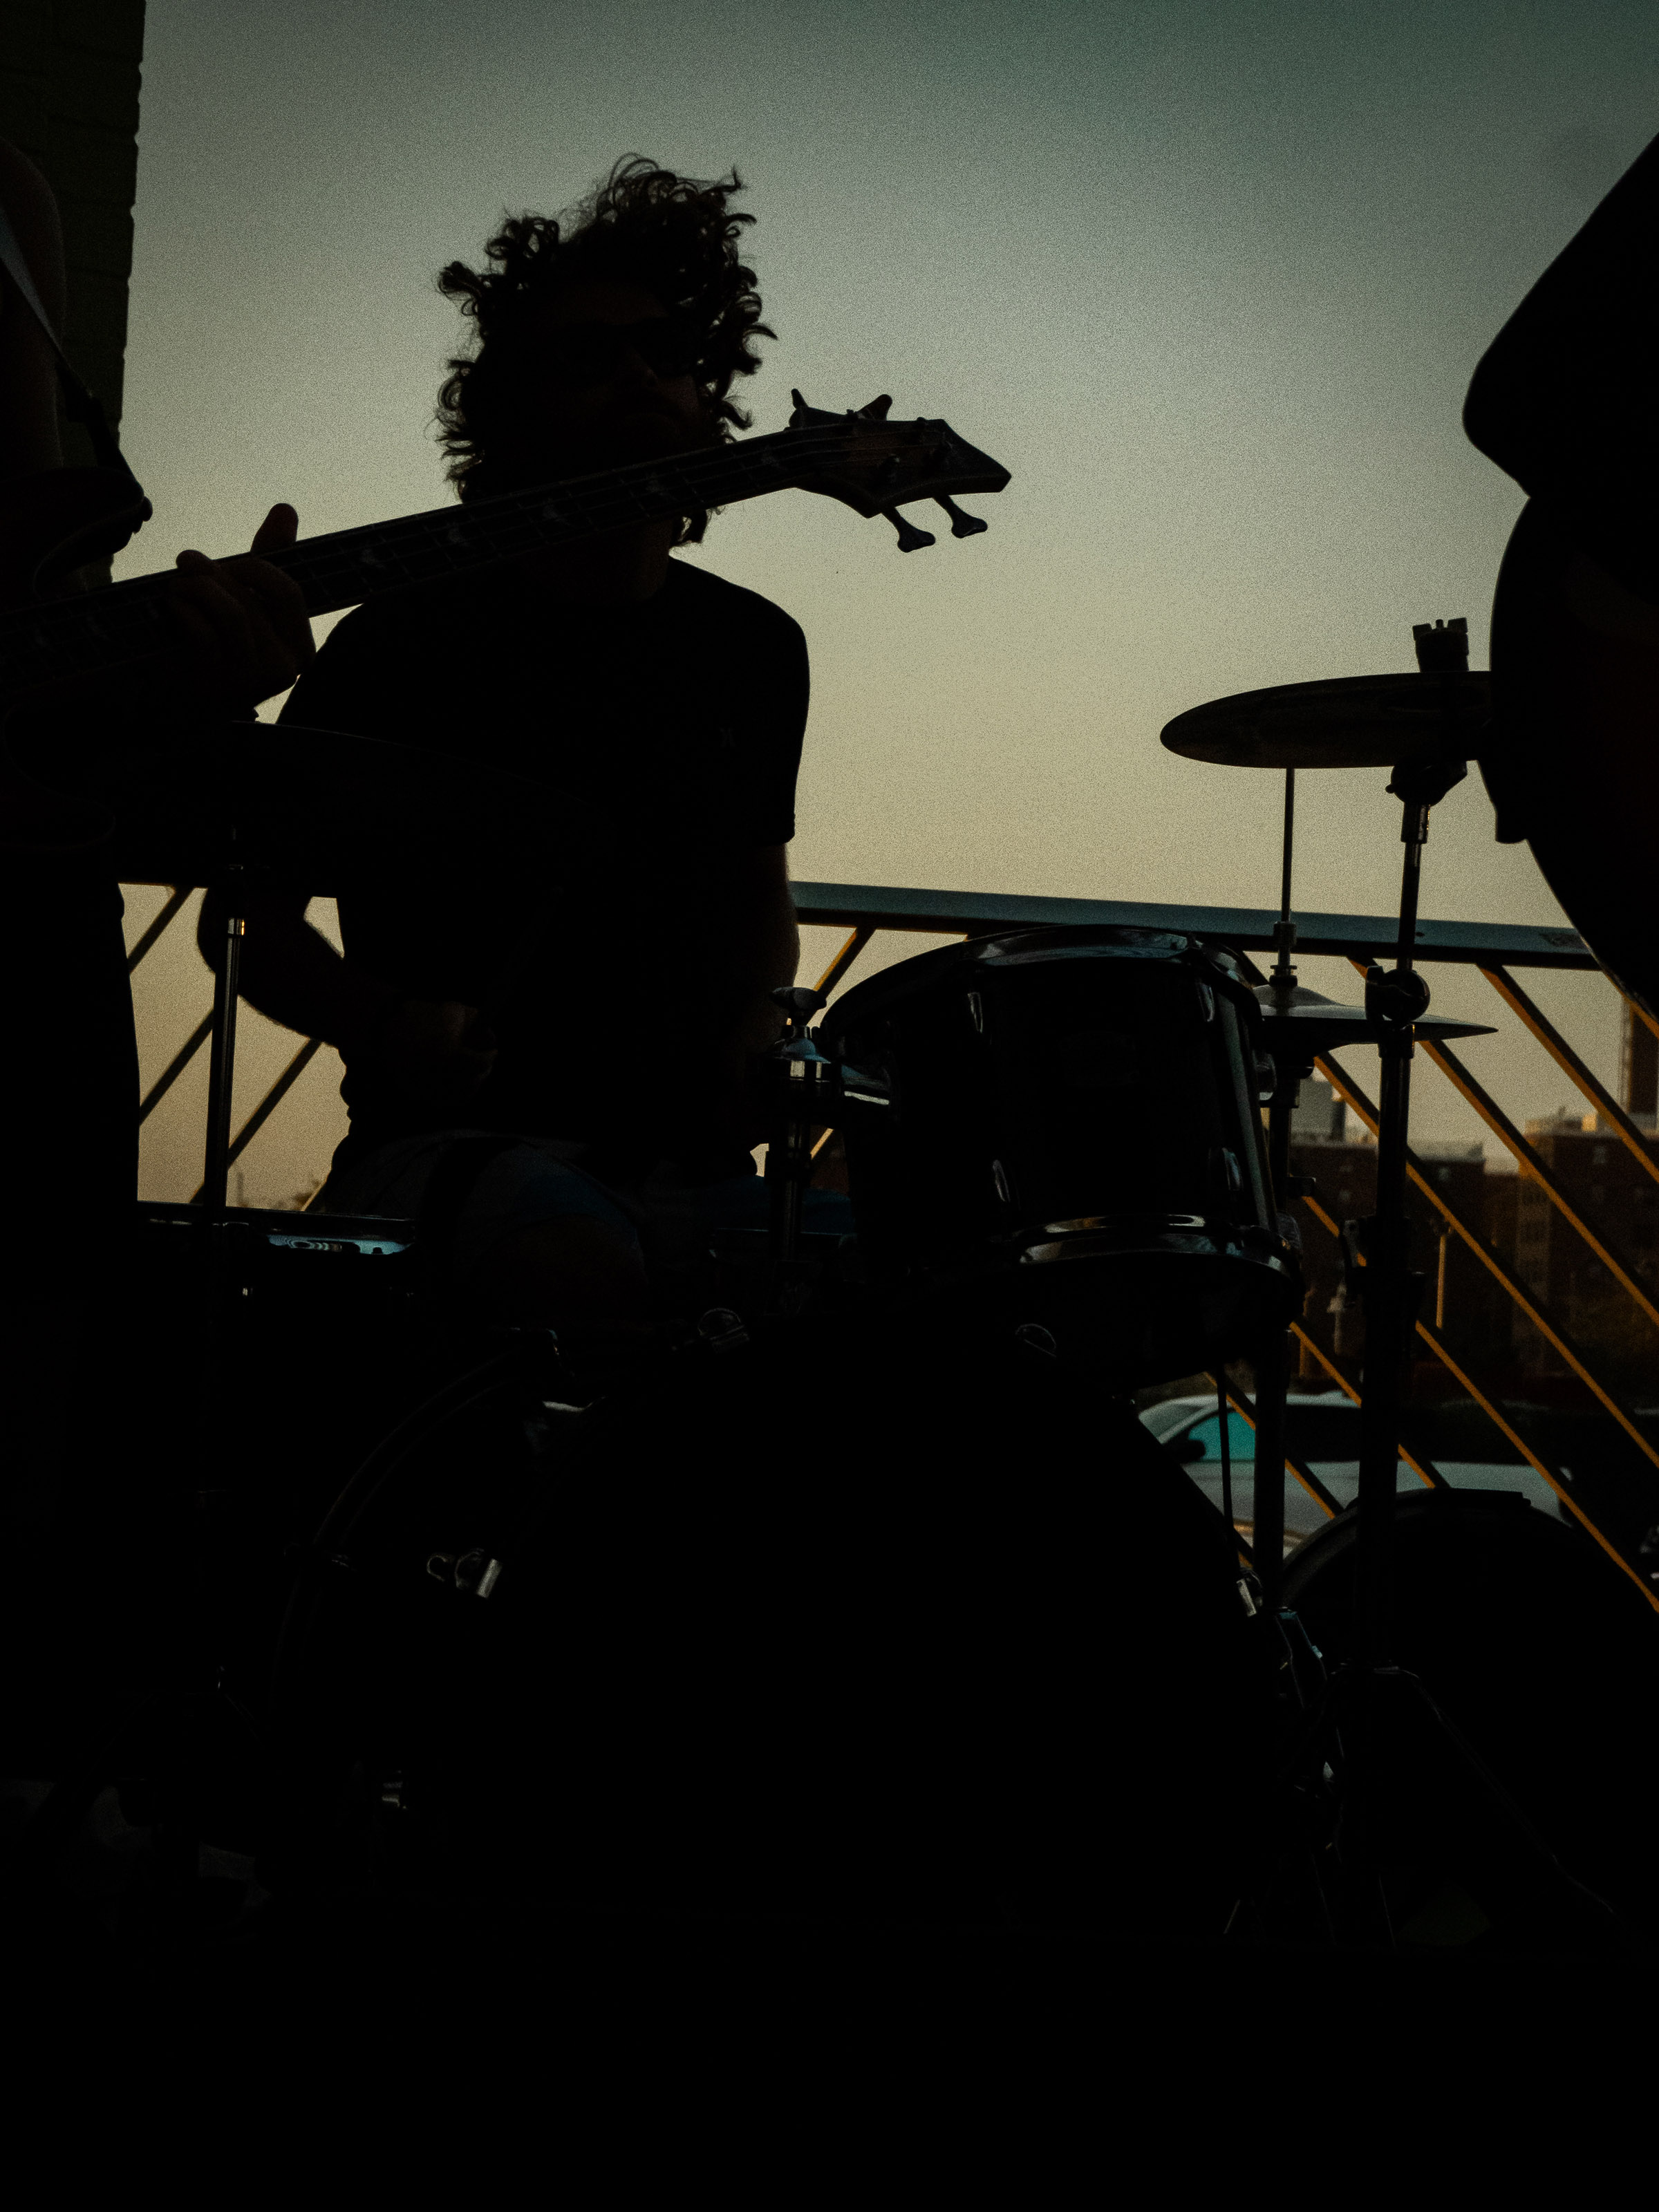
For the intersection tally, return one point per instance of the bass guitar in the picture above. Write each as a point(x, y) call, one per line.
point(870, 465)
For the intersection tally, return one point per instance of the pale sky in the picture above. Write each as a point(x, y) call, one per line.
point(1210, 277)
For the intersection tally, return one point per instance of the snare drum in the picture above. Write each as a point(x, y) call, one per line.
point(1075, 1133)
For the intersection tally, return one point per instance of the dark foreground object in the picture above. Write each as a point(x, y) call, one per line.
point(962, 1647)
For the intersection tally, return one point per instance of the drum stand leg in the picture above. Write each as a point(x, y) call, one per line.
point(221, 1062)
point(208, 1485)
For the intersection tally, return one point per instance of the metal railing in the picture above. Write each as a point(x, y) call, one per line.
point(1493, 950)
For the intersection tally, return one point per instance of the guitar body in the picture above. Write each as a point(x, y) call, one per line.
point(1572, 759)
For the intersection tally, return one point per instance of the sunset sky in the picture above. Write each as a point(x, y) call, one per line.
point(1210, 277)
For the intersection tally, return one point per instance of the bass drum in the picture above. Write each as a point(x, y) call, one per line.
point(962, 1647)
point(1073, 1136)
point(1544, 1657)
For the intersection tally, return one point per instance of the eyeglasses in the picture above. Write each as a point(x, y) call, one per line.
point(587, 352)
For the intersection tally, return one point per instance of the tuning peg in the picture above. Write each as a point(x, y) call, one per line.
point(879, 407)
point(911, 540)
point(961, 525)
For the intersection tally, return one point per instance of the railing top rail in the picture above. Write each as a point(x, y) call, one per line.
point(1472, 943)
point(967, 914)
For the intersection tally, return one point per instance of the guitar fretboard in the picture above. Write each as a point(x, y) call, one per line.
point(123, 621)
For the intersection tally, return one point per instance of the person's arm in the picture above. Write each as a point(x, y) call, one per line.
point(427, 1054)
point(755, 946)
point(291, 972)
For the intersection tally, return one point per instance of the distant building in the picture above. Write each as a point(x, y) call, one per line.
point(1619, 1201)
point(1460, 1296)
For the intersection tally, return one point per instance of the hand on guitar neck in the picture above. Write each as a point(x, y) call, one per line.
point(243, 629)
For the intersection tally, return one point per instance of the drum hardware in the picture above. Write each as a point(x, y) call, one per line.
point(807, 1092)
point(1499, 1656)
point(802, 1084)
point(722, 1330)
point(1015, 1176)
point(1363, 1713)
point(474, 1573)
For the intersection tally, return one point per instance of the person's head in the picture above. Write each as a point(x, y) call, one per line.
point(606, 335)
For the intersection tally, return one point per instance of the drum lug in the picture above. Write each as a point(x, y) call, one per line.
point(722, 1330)
point(476, 1573)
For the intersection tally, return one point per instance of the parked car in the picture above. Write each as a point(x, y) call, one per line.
point(1322, 1432)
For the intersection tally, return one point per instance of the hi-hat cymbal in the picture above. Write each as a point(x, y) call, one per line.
point(315, 807)
point(1301, 1022)
point(1345, 721)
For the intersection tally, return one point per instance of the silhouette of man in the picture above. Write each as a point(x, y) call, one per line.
point(588, 1032)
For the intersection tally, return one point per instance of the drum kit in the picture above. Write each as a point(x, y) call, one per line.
point(861, 1593)
point(675, 1601)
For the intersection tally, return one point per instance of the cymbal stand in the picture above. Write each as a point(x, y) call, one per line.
point(1396, 999)
point(1375, 1721)
point(1272, 1362)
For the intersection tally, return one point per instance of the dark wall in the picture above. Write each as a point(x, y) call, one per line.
point(68, 97)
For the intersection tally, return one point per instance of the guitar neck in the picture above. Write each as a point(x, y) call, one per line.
point(57, 639)
point(353, 565)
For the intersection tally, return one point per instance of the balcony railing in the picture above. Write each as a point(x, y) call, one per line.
point(1494, 950)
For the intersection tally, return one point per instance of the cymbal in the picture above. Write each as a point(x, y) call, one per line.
point(1303, 1022)
point(315, 807)
point(1343, 721)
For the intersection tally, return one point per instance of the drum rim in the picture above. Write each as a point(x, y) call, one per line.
point(1177, 948)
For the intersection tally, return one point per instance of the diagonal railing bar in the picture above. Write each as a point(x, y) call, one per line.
point(1567, 1061)
point(1424, 1469)
point(844, 959)
point(268, 1105)
point(174, 905)
point(1535, 1310)
point(1551, 1475)
point(1488, 1406)
point(1640, 1012)
point(175, 1068)
point(1309, 1481)
point(1530, 1162)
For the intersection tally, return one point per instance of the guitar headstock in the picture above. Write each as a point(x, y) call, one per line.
point(875, 466)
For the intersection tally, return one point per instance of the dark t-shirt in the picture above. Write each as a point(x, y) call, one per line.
point(666, 737)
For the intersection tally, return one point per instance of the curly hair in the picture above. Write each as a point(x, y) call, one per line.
point(675, 238)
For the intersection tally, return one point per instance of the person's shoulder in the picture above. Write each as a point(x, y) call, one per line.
point(716, 597)
point(414, 610)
